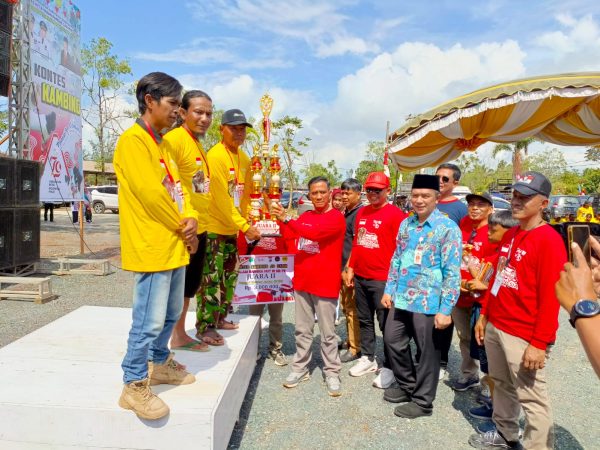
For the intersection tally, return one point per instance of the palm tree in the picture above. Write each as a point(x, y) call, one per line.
point(518, 149)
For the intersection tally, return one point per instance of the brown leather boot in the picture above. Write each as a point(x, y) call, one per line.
point(138, 397)
point(170, 372)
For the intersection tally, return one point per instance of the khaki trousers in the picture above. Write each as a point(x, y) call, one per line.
point(275, 323)
point(305, 307)
point(462, 324)
point(348, 304)
point(516, 387)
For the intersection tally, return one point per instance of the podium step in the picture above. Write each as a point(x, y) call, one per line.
point(61, 383)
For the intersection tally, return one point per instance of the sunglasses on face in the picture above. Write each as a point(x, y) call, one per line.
point(444, 179)
point(374, 191)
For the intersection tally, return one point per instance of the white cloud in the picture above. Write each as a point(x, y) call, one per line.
point(318, 23)
point(574, 48)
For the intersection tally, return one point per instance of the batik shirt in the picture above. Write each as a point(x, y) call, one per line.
point(424, 275)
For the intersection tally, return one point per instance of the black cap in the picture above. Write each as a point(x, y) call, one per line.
point(234, 117)
point(422, 181)
point(532, 183)
point(483, 196)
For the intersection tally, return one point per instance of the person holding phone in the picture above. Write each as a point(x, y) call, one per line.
point(577, 291)
point(518, 323)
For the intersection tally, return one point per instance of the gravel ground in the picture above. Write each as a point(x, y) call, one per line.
point(306, 417)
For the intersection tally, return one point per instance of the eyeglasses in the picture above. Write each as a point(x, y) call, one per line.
point(374, 191)
point(444, 178)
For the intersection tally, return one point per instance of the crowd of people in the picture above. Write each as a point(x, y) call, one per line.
point(441, 266)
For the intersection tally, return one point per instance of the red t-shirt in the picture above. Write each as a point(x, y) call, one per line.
point(320, 239)
point(375, 241)
point(481, 252)
point(526, 305)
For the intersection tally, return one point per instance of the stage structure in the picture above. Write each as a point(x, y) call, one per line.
point(20, 84)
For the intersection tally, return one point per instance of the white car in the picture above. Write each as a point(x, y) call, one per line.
point(105, 197)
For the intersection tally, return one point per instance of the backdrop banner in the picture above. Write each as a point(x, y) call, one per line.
point(55, 116)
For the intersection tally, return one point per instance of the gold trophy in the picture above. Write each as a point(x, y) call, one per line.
point(265, 165)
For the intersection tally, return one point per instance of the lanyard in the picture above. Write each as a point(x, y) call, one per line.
point(520, 242)
point(199, 149)
point(231, 159)
point(151, 132)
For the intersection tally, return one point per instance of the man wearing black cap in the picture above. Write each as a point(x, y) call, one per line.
point(476, 247)
point(422, 288)
point(227, 208)
point(519, 321)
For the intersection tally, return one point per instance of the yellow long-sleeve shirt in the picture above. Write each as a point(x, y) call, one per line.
point(191, 161)
point(582, 212)
point(149, 216)
point(227, 170)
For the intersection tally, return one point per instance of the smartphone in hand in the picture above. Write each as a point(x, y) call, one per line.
point(579, 234)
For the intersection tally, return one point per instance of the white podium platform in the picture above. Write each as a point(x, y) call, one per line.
point(59, 388)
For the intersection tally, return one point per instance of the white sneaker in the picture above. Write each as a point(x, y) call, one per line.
point(384, 379)
point(443, 373)
point(363, 367)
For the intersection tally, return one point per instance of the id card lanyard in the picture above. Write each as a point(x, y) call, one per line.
point(503, 262)
point(238, 189)
point(176, 192)
point(204, 161)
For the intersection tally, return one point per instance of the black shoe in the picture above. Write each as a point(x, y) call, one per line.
point(412, 411)
point(395, 394)
point(348, 356)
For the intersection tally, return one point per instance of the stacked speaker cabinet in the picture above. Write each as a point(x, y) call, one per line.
point(19, 215)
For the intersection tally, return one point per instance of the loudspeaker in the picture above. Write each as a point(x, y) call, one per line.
point(19, 236)
point(27, 235)
point(7, 182)
point(27, 189)
point(6, 11)
point(7, 230)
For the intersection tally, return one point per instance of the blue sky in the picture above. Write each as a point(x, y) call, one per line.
point(347, 67)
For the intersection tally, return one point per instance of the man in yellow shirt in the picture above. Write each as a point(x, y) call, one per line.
point(158, 230)
point(227, 210)
point(183, 143)
point(584, 210)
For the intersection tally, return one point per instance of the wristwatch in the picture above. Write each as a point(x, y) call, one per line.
point(584, 308)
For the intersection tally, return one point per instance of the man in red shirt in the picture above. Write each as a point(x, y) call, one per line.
point(374, 244)
point(476, 247)
point(520, 319)
point(317, 282)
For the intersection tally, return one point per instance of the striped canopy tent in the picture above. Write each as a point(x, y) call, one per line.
point(560, 109)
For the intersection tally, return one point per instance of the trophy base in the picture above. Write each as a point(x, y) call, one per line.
point(268, 228)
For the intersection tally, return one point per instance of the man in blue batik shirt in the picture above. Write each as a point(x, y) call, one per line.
point(423, 286)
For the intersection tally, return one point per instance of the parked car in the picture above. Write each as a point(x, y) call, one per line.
point(562, 205)
point(304, 204)
point(499, 203)
point(105, 197)
point(285, 198)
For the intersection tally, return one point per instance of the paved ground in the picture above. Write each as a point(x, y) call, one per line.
point(306, 418)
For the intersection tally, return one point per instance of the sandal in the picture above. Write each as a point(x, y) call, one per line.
point(227, 325)
point(215, 340)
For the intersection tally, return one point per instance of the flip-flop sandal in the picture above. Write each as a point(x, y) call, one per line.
point(194, 346)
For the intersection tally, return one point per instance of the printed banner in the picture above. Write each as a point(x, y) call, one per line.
point(265, 279)
point(55, 116)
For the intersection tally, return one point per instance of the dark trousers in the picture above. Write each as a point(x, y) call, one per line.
point(49, 207)
point(445, 338)
point(420, 381)
point(367, 294)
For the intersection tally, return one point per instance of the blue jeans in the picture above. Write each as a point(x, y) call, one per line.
point(157, 305)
